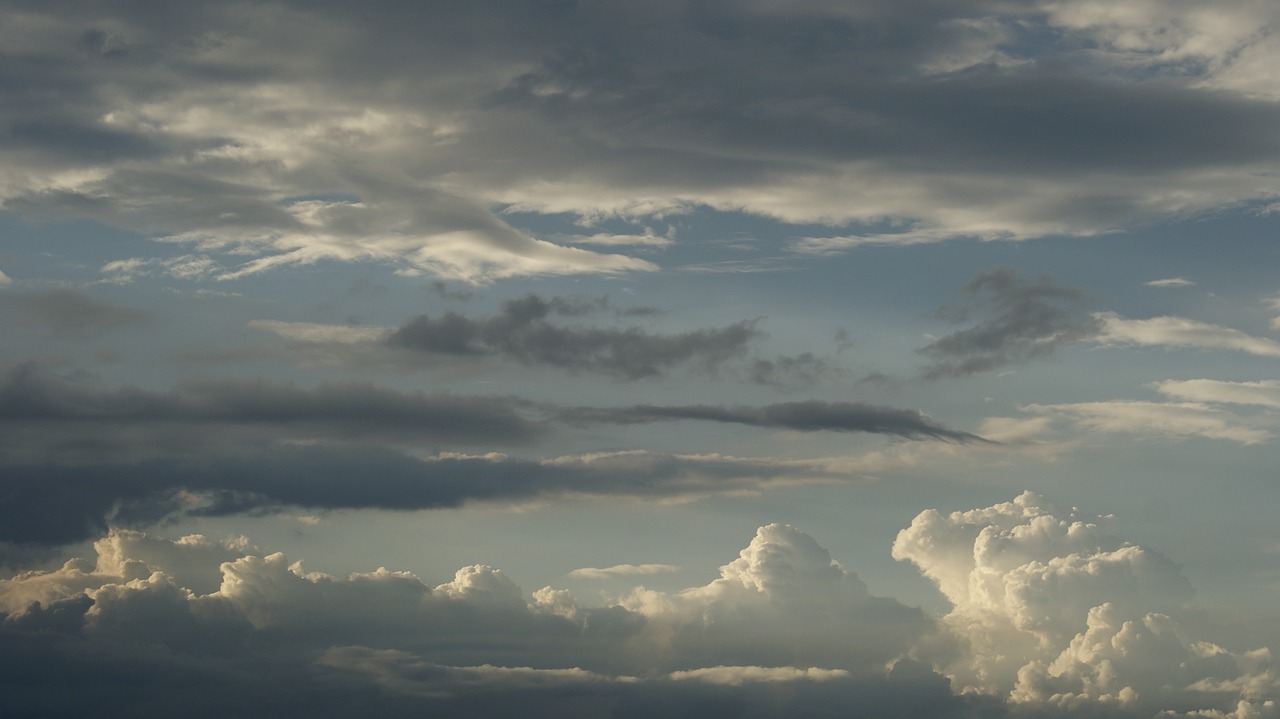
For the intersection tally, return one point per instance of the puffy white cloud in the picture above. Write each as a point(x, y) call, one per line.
point(782, 601)
point(1058, 611)
point(1051, 612)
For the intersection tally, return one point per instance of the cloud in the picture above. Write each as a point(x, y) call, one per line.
point(622, 570)
point(523, 333)
point(605, 239)
point(1031, 319)
point(66, 501)
point(473, 643)
point(801, 369)
point(737, 676)
point(807, 416)
point(321, 333)
point(69, 313)
point(1263, 393)
point(1180, 332)
point(1058, 612)
point(1055, 616)
point(1157, 419)
point(253, 135)
point(45, 416)
point(4, 280)
point(1170, 282)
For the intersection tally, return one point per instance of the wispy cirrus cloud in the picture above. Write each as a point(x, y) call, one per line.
point(1262, 393)
point(1157, 419)
point(1180, 332)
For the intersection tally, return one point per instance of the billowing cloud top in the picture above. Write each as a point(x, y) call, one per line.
point(1048, 614)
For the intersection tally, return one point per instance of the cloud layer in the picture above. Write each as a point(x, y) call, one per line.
point(219, 129)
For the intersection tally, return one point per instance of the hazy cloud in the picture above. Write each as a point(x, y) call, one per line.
point(69, 313)
point(1026, 320)
point(523, 332)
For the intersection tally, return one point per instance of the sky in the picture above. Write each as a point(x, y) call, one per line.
point(681, 358)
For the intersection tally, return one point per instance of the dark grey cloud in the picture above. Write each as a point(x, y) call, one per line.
point(524, 332)
point(67, 312)
point(56, 503)
point(808, 416)
point(45, 417)
point(794, 370)
point(1024, 320)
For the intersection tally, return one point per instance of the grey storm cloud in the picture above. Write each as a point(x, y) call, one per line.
point(523, 332)
point(1026, 320)
point(67, 312)
point(810, 416)
point(973, 118)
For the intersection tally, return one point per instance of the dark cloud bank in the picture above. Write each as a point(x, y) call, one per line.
point(77, 457)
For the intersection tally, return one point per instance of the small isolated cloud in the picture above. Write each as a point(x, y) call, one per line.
point(738, 676)
point(808, 416)
point(69, 313)
point(622, 570)
point(605, 239)
point(1157, 419)
point(1180, 332)
point(322, 333)
point(1170, 282)
point(1027, 320)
